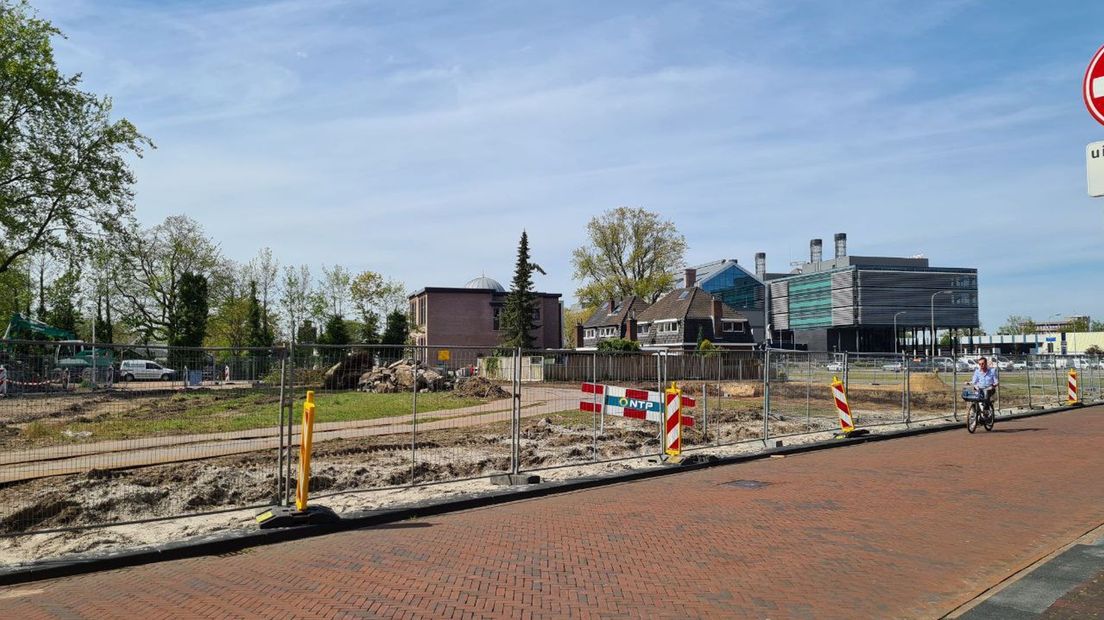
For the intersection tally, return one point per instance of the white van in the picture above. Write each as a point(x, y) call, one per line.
point(131, 370)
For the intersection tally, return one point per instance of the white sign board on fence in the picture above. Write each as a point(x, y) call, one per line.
point(1094, 164)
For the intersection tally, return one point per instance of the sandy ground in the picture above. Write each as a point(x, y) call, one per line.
point(339, 466)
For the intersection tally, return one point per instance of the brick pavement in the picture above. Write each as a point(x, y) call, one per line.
point(877, 530)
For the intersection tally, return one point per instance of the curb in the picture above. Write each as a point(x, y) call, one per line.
point(220, 544)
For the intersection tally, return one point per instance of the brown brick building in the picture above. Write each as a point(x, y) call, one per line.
point(469, 316)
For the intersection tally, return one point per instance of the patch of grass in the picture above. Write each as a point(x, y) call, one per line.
point(38, 431)
point(212, 412)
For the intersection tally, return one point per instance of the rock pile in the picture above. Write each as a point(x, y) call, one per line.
point(401, 376)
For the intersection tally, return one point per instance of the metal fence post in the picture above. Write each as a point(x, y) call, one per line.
point(954, 387)
point(808, 390)
point(1027, 367)
point(594, 401)
point(290, 415)
point(766, 395)
point(515, 439)
point(414, 424)
point(280, 431)
point(1057, 385)
point(906, 393)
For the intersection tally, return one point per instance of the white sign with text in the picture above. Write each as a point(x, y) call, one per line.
point(1094, 164)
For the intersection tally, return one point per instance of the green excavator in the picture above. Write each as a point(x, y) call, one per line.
point(70, 358)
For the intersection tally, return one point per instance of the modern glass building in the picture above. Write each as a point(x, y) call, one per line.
point(739, 289)
point(853, 303)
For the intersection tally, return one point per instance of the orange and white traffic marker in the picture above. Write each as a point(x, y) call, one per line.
point(1074, 397)
point(847, 423)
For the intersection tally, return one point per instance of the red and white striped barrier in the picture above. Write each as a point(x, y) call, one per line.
point(629, 403)
point(673, 422)
point(1074, 395)
point(847, 423)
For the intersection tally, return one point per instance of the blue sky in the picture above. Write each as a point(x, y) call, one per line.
point(419, 138)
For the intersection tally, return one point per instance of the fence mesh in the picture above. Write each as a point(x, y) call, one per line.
point(109, 434)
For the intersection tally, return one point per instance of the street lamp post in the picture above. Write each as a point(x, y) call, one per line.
point(895, 330)
point(933, 320)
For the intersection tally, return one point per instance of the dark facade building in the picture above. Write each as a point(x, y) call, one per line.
point(615, 319)
point(854, 303)
point(679, 319)
point(470, 316)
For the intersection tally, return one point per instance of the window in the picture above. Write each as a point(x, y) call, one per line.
point(591, 333)
point(642, 329)
point(152, 366)
point(667, 327)
point(536, 315)
point(735, 327)
point(609, 332)
point(422, 315)
point(683, 295)
point(496, 321)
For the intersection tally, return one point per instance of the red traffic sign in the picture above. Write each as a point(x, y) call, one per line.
point(1093, 87)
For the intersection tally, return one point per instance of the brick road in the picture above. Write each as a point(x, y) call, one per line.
point(905, 528)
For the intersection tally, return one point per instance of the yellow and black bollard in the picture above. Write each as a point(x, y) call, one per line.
point(301, 514)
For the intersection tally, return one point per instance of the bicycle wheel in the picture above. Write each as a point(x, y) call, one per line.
point(990, 418)
point(972, 418)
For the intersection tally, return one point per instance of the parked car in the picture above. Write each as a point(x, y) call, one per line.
point(943, 363)
point(1019, 365)
point(137, 370)
point(835, 367)
point(893, 367)
point(1000, 362)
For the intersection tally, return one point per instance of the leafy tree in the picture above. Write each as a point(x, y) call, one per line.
point(1079, 324)
point(334, 289)
point(258, 334)
point(64, 174)
point(190, 316)
point(306, 332)
point(397, 329)
point(63, 301)
point(336, 331)
point(188, 320)
point(1094, 350)
point(517, 315)
point(1097, 326)
point(618, 344)
point(1016, 324)
point(374, 296)
point(571, 318)
point(16, 291)
point(631, 252)
point(156, 258)
point(294, 295)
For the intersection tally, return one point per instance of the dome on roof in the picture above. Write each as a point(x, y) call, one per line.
point(485, 282)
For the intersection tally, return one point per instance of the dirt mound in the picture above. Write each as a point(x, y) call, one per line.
point(480, 387)
point(926, 382)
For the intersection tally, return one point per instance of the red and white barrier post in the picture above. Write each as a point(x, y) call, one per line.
point(1074, 397)
point(3, 381)
point(673, 421)
point(847, 423)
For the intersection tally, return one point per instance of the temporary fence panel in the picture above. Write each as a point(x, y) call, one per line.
point(97, 434)
point(877, 388)
point(800, 400)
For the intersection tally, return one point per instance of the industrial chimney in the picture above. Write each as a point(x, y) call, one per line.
point(761, 265)
point(841, 245)
point(816, 251)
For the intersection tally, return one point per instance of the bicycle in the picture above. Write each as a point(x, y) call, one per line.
point(981, 410)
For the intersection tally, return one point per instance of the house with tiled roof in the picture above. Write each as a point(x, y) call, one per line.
point(614, 319)
point(679, 319)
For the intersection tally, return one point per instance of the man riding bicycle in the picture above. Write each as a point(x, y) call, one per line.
point(985, 379)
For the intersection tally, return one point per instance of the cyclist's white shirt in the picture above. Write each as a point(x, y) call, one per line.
point(985, 379)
